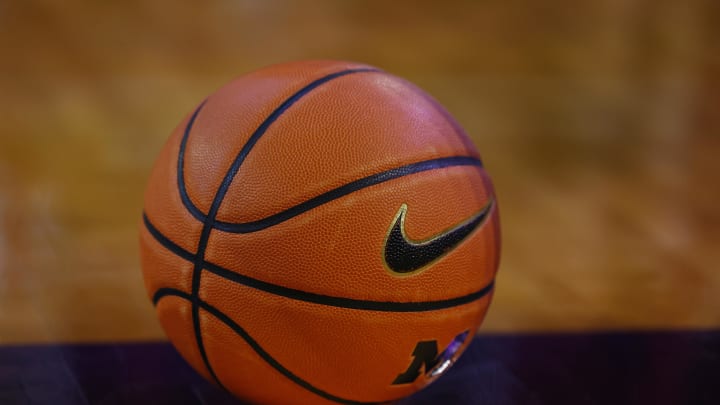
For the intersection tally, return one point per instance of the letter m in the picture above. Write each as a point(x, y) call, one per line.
point(426, 355)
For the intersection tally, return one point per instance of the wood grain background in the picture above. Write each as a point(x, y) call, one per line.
point(597, 120)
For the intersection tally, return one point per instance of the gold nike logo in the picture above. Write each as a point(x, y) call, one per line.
point(403, 255)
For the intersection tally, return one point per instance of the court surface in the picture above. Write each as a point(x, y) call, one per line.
point(598, 124)
point(596, 368)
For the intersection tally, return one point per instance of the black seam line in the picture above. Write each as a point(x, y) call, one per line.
point(197, 271)
point(328, 300)
point(192, 208)
point(196, 275)
point(163, 292)
point(346, 189)
point(209, 222)
point(189, 205)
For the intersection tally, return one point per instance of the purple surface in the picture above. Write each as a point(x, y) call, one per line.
point(612, 368)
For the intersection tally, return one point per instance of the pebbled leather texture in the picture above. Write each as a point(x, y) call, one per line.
point(266, 217)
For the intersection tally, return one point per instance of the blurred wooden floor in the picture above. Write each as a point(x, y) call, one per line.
point(598, 122)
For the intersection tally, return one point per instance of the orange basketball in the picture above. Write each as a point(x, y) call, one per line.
point(320, 232)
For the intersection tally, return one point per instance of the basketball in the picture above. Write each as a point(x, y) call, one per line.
point(319, 232)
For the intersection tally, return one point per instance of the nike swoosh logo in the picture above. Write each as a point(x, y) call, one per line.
point(403, 255)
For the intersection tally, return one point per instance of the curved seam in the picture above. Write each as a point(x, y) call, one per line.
point(184, 196)
point(315, 298)
point(356, 185)
point(209, 222)
point(274, 219)
point(222, 317)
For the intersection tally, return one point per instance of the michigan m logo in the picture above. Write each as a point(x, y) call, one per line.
point(426, 355)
